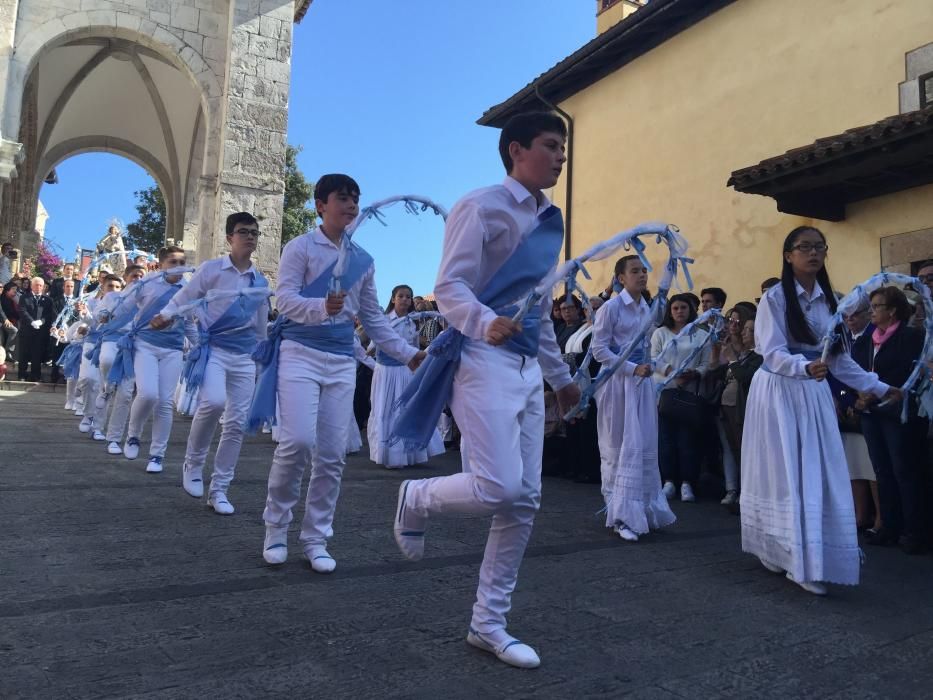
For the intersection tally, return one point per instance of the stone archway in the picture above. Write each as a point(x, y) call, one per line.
point(205, 88)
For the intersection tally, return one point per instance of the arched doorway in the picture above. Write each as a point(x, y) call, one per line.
point(88, 191)
point(197, 94)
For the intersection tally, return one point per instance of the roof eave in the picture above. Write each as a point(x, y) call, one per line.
point(630, 38)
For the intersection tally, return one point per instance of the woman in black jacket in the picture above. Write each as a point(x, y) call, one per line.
point(897, 450)
point(9, 318)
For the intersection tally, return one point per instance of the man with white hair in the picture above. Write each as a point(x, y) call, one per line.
point(36, 318)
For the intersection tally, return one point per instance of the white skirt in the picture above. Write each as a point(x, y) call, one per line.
point(857, 457)
point(796, 502)
point(388, 384)
point(634, 485)
point(354, 438)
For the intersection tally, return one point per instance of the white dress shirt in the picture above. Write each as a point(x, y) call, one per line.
point(139, 296)
point(617, 323)
point(303, 260)
point(483, 229)
point(219, 273)
point(772, 340)
point(685, 346)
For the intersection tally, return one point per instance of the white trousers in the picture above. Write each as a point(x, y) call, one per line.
point(71, 388)
point(157, 371)
point(227, 389)
point(118, 400)
point(498, 403)
point(315, 402)
point(88, 381)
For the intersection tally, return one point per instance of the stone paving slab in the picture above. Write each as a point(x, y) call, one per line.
point(115, 583)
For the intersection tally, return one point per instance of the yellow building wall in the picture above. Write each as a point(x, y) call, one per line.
point(658, 139)
point(614, 14)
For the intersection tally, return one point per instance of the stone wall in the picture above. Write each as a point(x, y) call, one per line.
point(237, 53)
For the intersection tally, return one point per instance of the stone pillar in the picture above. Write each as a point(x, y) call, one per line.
point(255, 116)
point(11, 155)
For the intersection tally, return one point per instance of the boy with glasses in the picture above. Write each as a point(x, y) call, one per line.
point(229, 330)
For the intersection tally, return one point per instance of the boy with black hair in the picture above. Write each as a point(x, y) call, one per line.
point(712, 298)
point(152, 356)
point(223, 371)
point(499, 243)
point(310, 369)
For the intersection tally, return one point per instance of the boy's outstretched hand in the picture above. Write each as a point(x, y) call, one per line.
point(568, 398)
point(416, 361)
point(333, 304)
point(501, 329)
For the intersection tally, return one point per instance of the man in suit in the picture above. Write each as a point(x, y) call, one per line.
point(56, 289)
point(36, 318)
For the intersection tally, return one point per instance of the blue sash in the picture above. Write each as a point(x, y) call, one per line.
point(122, 367)
point(70, 360)
point(429, 391)
point(110, 331)
point(330, 337)
point(232, 331)
point(808, 354)
point(387, 360)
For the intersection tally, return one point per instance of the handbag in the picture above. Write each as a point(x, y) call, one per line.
point(684, 406)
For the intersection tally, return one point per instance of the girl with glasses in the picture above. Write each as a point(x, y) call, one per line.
point(796, 504)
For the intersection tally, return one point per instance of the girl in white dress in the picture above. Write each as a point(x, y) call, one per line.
point(389, 380)
point(628, 413)
point(796, 506)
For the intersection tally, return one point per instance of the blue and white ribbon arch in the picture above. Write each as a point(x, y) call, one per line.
point(677, 260)
point(919, 380)
point(414, 204)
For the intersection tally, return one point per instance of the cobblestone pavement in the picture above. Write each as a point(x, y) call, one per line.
point(115, 583)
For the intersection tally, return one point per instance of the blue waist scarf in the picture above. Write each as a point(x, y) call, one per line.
point(172, 338)
point(811, 355)
point(429, 391)
point(110, 331)
point(233, 331)
point(330, 337)
point(387, 360)
point(70, 360)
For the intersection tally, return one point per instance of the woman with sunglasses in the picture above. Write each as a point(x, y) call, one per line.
point(796, 504)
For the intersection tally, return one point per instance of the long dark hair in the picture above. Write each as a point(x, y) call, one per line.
point(797, 326)
point(668, 321)
point(391, 305)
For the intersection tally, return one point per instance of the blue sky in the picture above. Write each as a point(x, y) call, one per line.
point(388, 92)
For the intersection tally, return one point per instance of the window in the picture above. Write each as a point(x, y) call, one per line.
point(925, 82)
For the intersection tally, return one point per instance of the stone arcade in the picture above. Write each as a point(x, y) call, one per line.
point(194, 91)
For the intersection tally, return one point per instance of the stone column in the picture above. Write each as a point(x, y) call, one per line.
point(255, 115)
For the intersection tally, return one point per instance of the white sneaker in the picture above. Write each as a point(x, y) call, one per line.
point(85, 425)
point(686, 493)
point(101, 400)
point(408, 527)
point(669, 489)
point(508, 650)
point(192, 482)
point(809, 586)
point(321, 561)
point(114, 448)
point(626, 533)
point(155, 465)
point(731, 498)
point(275, 546)
point(79, 413)
point(218, 501)
point(99, 436)
point(69, 405)
point(773, 568)
point(131, 448)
